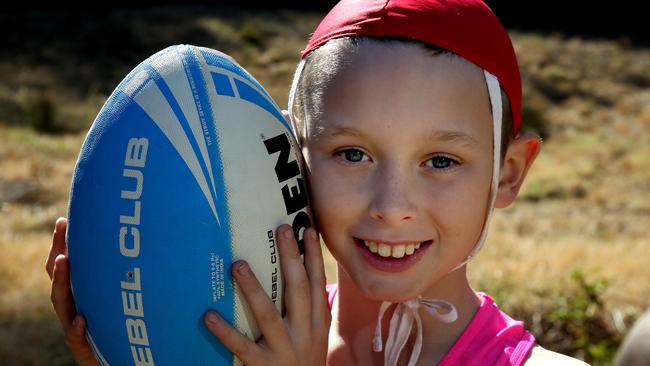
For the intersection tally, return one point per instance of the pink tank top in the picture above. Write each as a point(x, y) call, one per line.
point(491, 337)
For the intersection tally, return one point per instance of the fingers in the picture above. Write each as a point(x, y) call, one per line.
point(267, 316)
point(285, 340)
point(61, 293)
point(76, 335)
point(78, 344)
point(317, 280)
point(58, 245)
point(74, 326)
point(296, 283)
point(245, 349)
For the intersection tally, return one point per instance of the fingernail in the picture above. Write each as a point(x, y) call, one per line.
point(312, 234)
point(243, 269)
point(212, 317)
point(288, 233)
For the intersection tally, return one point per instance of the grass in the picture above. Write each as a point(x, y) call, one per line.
point(569, 257)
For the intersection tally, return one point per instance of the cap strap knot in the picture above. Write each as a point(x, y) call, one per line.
point(401, 324)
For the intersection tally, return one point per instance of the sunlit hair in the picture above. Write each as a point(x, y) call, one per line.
point(325, 62)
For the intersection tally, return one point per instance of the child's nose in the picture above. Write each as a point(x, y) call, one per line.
point(392, 200)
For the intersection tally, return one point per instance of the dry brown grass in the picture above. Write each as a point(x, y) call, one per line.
point(35, 173)
point(585, 206)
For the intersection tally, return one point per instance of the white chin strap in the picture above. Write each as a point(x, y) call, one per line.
point(406, 313)
point(292, 95)
point(497, 112)
point(401, 323)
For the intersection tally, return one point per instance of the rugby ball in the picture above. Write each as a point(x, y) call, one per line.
point(189, 166)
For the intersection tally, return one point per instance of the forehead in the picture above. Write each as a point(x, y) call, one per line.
point(403, 86)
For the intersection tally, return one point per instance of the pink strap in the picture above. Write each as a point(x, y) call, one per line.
point(332, 289)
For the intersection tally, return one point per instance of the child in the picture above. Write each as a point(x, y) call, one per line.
point(408, 114)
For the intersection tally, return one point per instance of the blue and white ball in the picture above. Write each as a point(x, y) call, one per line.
point(188, 167)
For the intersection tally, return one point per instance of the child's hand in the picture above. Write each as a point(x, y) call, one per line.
point(301, 337)
point(74, 325)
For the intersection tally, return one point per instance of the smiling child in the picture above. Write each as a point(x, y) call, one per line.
point(408, 114)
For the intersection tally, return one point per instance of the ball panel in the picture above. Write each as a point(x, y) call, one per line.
point(224, 62)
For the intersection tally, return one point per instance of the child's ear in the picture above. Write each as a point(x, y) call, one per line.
point(521, 153)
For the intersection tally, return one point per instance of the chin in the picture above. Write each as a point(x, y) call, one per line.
point(391, 290)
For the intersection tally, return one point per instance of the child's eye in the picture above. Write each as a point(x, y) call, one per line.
point(441, 162)
point(352, 155)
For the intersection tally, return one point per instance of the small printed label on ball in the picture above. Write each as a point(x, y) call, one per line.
point(274, 259)
point(218, 282)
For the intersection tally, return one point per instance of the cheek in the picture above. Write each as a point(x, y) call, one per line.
point(338, 203)
point(328, 195)
point(462, 204)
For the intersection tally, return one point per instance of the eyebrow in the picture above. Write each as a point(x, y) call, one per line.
point(453, 136)
point(333, 131)
point(439, 135)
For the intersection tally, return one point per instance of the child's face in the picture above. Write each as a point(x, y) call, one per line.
point(401, 154)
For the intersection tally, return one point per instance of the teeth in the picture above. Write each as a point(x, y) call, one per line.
point(395, 251)
point(398, 251)
point(410, 249)
point(384, 250)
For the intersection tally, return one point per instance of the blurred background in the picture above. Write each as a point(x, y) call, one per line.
point(570, 257)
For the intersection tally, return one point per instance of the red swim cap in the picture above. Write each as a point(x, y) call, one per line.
point(467, 28)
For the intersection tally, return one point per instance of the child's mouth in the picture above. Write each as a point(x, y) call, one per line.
point(394, 251)
point(392, 257)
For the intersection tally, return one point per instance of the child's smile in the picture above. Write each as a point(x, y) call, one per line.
point(392, 256)
point(400, 166)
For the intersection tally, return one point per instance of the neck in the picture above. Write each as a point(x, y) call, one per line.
point(354, 317)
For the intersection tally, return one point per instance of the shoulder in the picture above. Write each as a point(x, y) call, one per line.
point(540, 356)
